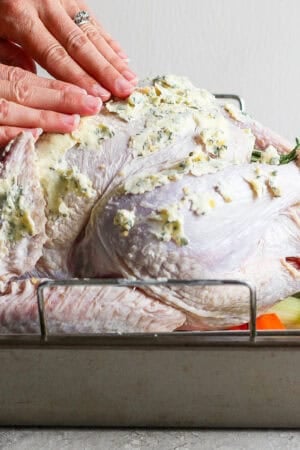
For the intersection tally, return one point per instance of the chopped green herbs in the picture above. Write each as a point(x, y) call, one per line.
point(256, 155)
point(284, 158)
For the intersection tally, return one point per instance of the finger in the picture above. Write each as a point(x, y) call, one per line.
point(79, 46)
point(108, 52)
point(12, 55)
point(13, 114)
point(15, 74)
point(23, 93)
point(55, 59)
point(106, 46)
point(112, 42)
point(9, 133)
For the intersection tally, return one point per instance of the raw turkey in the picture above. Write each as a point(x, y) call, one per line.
point(166, 184)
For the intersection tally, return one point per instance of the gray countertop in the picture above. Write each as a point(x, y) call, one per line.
point(86, 439)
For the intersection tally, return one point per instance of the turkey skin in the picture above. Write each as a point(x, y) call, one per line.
point(168, 183)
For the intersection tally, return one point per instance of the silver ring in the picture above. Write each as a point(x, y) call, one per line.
point(81, 17)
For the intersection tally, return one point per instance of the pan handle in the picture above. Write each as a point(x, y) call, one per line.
point(141, 284)
point(235, 97)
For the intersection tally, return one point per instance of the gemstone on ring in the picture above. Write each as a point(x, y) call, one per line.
point(81, 17)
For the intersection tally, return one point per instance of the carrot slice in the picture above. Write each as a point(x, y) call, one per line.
point(269, 322)
point(264, 322)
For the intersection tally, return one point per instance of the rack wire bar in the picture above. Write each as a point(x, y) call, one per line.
point(146, 283)
point(235, 97)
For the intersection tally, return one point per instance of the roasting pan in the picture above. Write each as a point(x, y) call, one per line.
point(180, 379)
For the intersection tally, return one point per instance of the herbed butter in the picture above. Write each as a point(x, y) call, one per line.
point(161, 132)
point(225, 191)
point(197, 164)
point(257, 185)
point(273, 184)
point(125, 220)
point(263, 181)
point(270, 156)
point(200, 203)
point(168, 225)
point(236, 113)
point(213, 132)
point(92, 132)
point(62, 182)
point(56, 177)
point(171, 107)
point(16, 219)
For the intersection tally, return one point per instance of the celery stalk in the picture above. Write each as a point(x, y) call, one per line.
point(288, 311)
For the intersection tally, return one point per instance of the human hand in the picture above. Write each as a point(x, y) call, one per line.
point(39, 104)
point(85, 56)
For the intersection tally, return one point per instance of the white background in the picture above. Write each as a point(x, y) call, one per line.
point(251, 47)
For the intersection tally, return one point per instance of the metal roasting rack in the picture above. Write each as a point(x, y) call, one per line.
point(156, 338)
point(45, 336)
point(178, 379)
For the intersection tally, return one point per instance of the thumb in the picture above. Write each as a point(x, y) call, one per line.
point(13, 55)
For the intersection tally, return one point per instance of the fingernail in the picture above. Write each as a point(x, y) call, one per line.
point(122, 85)
point(122, 55)
point(39, 131)
point(134, 82)
point(71, 120)
point(99, 91)
point(92, 103)
point(130, 76)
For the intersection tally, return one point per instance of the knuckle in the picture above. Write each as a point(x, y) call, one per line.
point(16, 74)
point(107, 36)
point(111, 42)
point(21, 92)
point(76, 41)
point(44, 116)
point(54, 84)
point(4, 109)
point(107, 71)
point(92, 34)
point(55, 53)
point(94, 23)
point(64, 97)
point(117, 62)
